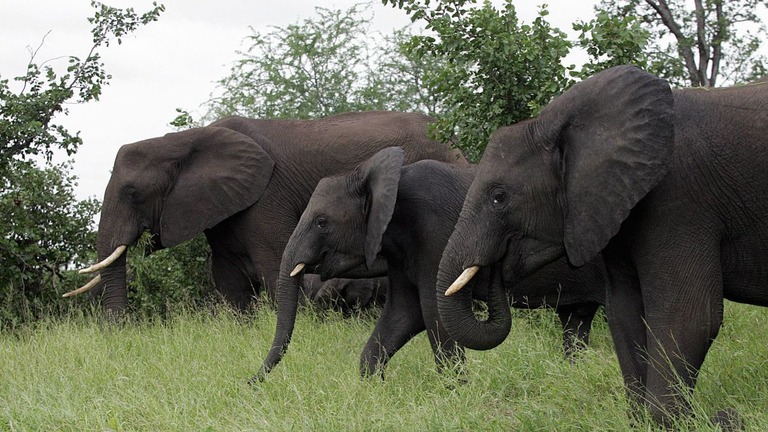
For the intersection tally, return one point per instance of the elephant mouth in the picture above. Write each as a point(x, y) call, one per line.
point(476, 275)
point(154, 244)
point(331, 265)
point(505, 257)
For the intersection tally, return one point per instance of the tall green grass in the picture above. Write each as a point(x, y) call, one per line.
point(190, 372)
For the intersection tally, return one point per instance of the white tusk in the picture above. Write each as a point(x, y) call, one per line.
point(87, 287)
point(296, 270)
point(462, 280)
point(109, 260)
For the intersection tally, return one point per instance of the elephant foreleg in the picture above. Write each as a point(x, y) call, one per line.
point(232, 280)
point(399, 322)
point(267, 254)
point(684, 312)
point(626, 320)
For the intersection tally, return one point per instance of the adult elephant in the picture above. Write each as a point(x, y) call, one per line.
point(671, 186)
point(244, 182)
point(404, 215)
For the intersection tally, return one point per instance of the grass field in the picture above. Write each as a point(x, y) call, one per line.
point(189, 373)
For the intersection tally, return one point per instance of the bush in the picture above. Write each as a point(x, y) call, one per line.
point(170, 278)
point(47, 234)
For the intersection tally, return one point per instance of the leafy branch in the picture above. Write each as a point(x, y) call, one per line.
point(26, 116)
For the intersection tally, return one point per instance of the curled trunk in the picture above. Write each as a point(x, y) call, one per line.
point(456, 310)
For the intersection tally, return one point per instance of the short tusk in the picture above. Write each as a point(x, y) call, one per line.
point(296, 270)
point(462, 280)
point(109, 260)
point(87, 287)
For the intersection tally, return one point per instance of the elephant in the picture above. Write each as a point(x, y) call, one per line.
point(343, 295)
point(404, 215)
point(670, 186)
point(244, 183)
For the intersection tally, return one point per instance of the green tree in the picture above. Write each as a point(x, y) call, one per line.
point(700, 43)
point(492, 70)
point(46, 231)
point(27, 116)
point(326, 64)
point(613, 41)
point(309, 69)
point(399, 76)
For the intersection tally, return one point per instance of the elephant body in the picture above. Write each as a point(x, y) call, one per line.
point(671, 187)
point(244, 182)
point(404, 215)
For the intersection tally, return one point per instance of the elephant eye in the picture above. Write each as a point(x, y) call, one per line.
point(131, 193)
point(498, 198)
point(321, 223)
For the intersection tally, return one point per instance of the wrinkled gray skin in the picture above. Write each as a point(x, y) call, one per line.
point(671, 186)
point(347, 296)
point(405, 216)
point(243, 182)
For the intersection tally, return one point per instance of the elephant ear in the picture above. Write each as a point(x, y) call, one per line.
point(219, 172)
point(615, 134)
point(378, 180)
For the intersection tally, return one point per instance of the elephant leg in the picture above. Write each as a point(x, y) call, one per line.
point(399, 322)
point(577, 323)
point(684, 311)
point(626, 320)
point(267, 254)
point(231, 280)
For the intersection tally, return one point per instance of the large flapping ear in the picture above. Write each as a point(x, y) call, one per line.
point(615, 132)
point(219, 172)
point(379, 177)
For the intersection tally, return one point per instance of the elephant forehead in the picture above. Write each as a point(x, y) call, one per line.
point(332, 196)
point(147, 155)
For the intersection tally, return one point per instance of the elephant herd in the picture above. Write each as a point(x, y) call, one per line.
point(623, 192)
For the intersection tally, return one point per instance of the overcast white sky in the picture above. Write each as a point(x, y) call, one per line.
point(171, 63)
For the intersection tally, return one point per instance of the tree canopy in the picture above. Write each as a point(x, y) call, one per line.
point(492, 69)
point(27, 116)
point(700, 43)
point(325, 64)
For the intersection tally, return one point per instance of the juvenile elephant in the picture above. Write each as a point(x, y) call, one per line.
point(344, 295)
point(244, 182)
point(404, 215)
point(671, 186)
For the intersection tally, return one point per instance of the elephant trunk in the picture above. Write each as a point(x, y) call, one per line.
point(115, 234)
point(456, 310)
point(114, 295)
point(287, 306)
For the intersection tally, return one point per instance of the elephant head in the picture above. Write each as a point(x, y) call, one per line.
point(343, 295)
point(339, 234)
point(175, 187)
point(559, 184)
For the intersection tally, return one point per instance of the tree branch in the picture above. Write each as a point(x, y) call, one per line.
point(662, 9)
point(701, 42)
point(717, 39)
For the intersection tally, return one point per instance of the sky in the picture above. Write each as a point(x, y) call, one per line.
point(171, 63)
